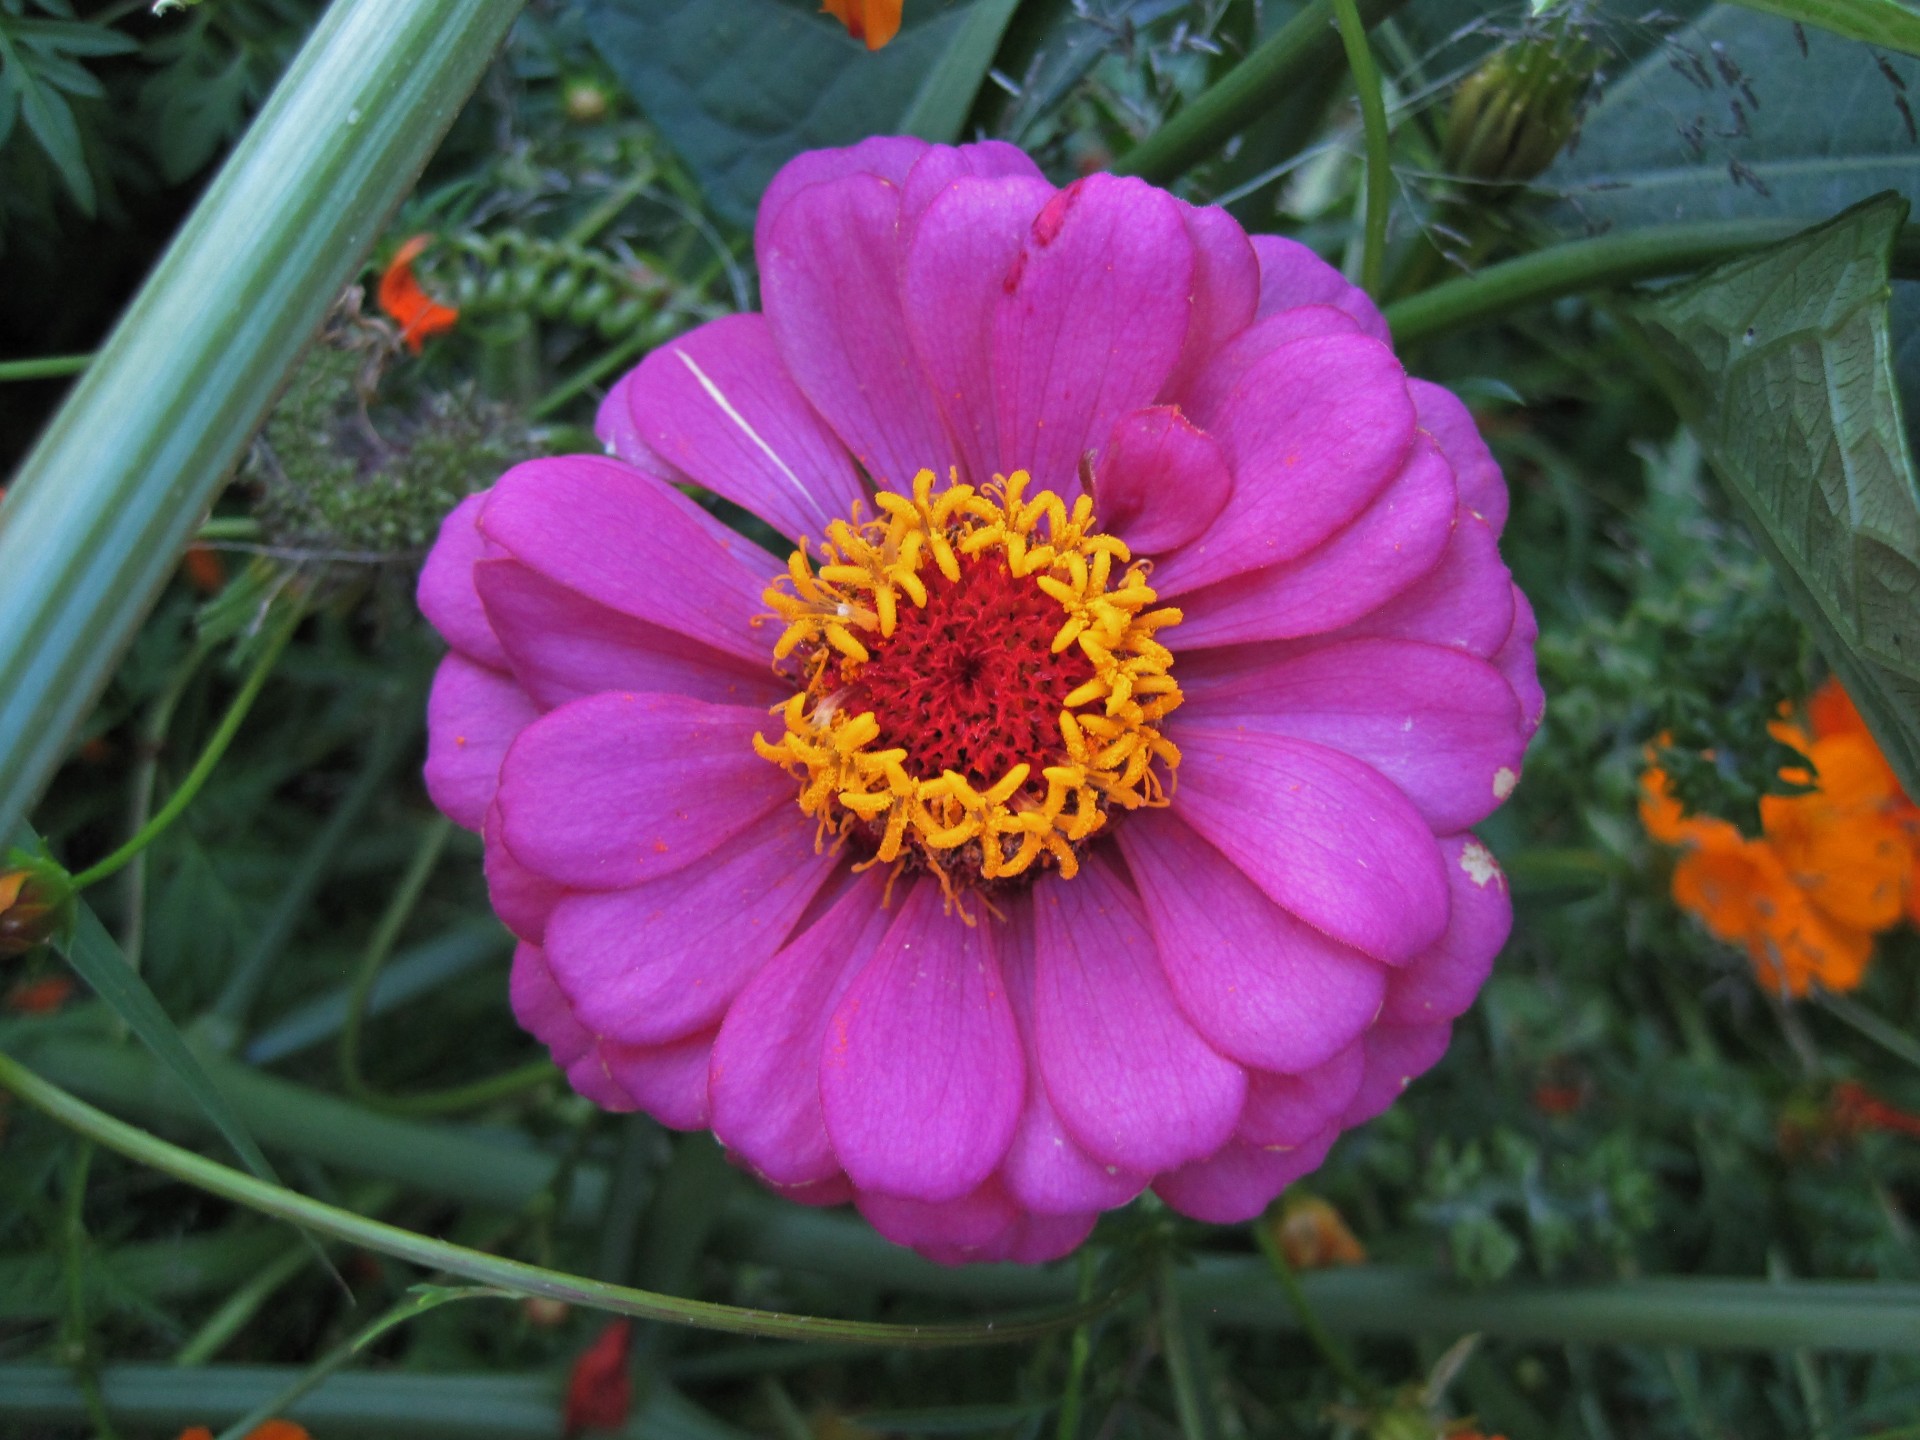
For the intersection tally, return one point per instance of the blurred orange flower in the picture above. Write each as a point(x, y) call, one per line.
point(272, 1430)
point(1832, 868)
point(1315, 1236)
point(874, 21)
point(402, 297)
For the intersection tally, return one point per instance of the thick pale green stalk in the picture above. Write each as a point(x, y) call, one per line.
point(1306, 43)
point(100, 510)
point(1577, 266)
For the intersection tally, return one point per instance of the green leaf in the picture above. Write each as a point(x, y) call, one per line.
point(73, 37)
point(1729, 120)
point(97, 959)
point(939, 111)
point(1878, 22)
point(739, 87)
point(1782, 363)
point(50, 121)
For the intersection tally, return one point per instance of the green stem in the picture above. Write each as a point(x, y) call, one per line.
point(239, 1308)
point(152, 736)
point(1888, 1037)
point(1303, 45)
point(203, 767)
point(380, 945)
point(1579, 265)
point(49, 367)
point(593, 372)
point(492, 1270)
point(475, 1095)
point(1080, 1350)
point(1373, 119)
point(102, 507)
point(1331, 1350)
point(418, 1303)
point(1177, 1349)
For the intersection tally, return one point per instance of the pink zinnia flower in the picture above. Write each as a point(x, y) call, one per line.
point(1083, 807)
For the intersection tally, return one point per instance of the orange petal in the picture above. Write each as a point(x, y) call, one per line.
point(874, 21)
point(419, 315)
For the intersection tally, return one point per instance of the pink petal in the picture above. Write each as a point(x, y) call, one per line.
point(1440, 983)
point(1314, 431)
point(1515, 660)
point(1293, 1109)
point(721, 408)
point(1204, 392)
point(1161, 481)
point(830, 276)
point(1128, 1076)
point(1291, 274)
point(634, 544)
point(1036, 1239)
point(1438, 723)
point(1239, 1183)
point(834, 1190)
point(951, 1229)
point(1465, 601)
point(473, 715)
point(522, 899)
point(942, 167)
point(1395, 540)
point(891, 157)
point(921, 1074)
point(956, 264)
point(1261, 986)
point(590, 1077)
point(446, 595)
point(609, 791)
point(619, 431)
point(1326, 836)
point(542, 1010)
point(1397, 1055)
point(561, 646)
point(669, 1082)
point(663, 959)
point(1482, 490)
point(1092, 323)
point(1226, 288)
point(766, 1064)
point(1046, 1170)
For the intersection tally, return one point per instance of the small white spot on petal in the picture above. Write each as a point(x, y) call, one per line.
point(1479, 864)
point(1503, 782)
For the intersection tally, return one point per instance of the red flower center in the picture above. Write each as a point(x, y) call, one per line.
point(968, 682)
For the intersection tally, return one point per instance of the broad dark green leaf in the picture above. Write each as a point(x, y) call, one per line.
point(739, 87)
point(1783, 365)
point(1726, 118)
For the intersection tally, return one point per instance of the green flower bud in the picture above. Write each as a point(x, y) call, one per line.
point(1513, 115)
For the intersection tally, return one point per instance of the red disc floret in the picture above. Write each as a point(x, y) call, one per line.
point(968, 682)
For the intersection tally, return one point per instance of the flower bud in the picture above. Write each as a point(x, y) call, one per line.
point(34, 900)
point(1513, 115)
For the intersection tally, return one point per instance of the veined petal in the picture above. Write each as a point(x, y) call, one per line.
point(1092, 323)
point(617, 789)
point(922, 1076)
point(1132, 1081)
point(473, 715)
point(1292, 275)
point(446, 595)
point(1261, 985)
point(1440, 983)
point(1241, 1180)
point(1326, 836)
point(1161, 481)
point(660, 960)
point(1293, 1110)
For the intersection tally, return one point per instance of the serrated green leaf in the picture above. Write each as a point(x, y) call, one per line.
point(739, 87)
point(1877, 22)
point(75, 38)
point(1782, 363)
point(50, 121)
point(1729, 119)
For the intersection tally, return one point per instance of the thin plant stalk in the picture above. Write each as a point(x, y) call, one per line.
point(216, 747)
point(380, 945)
point(1373, 120)
point(49, 367)
point(512, 1276)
